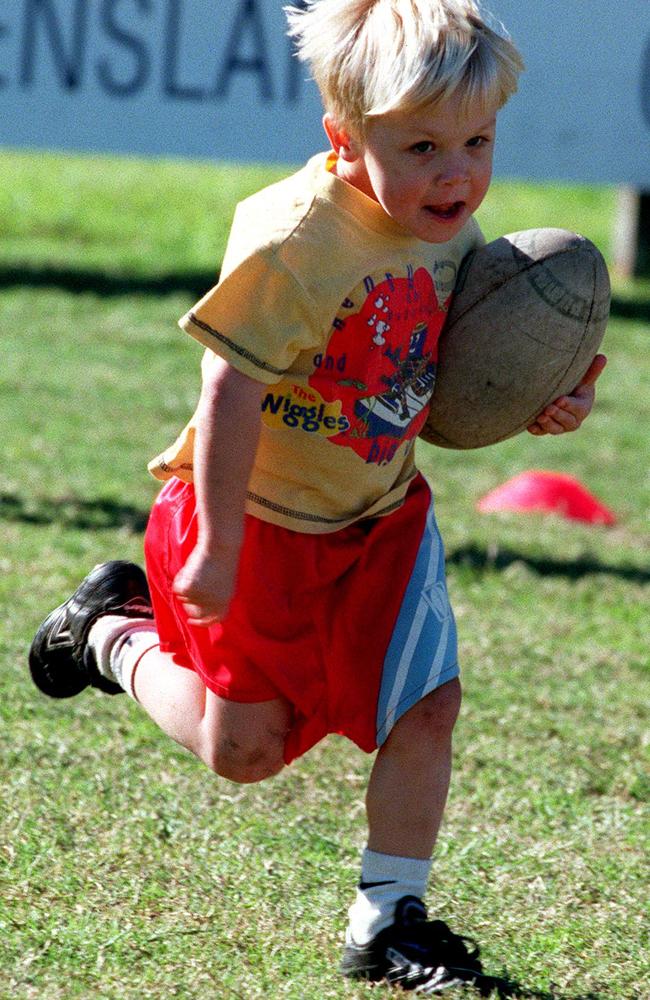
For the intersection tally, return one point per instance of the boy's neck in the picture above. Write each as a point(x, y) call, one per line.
point(352, 175)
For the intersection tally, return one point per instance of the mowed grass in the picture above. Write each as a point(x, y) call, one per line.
point(127, 870)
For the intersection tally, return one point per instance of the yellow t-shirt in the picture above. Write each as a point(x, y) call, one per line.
point(328, 301)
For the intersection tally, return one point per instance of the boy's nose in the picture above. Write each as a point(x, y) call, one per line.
point(452, 171)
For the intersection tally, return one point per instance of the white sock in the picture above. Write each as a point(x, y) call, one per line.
point(385, 878)
point(119, 644)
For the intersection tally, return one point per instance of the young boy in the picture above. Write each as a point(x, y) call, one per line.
point(296, 571)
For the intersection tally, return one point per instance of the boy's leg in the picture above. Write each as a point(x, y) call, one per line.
point(241, 741)
point(389, 936)
point(408, 786)
point(405, 801)
point(104, 636)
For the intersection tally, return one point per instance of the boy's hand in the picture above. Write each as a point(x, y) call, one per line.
point(568, 412)
point(206, 583)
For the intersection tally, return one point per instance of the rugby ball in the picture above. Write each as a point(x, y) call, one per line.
point(525, 322)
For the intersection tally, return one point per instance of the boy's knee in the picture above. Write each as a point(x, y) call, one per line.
point(246, 762)
point(432, 719)
point(441, 707)
point(244, 742)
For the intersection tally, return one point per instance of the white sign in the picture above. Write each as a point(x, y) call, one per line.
point(216, 79)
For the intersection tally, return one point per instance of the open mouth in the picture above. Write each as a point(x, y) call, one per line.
point(446, 213)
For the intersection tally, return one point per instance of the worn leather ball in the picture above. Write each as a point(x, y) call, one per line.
point(526, 320)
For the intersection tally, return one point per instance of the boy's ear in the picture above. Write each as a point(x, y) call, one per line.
point(342, 142)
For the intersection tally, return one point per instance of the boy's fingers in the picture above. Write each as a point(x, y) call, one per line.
point(575, 407)
point(198, 614)
point(566, 414)
point(550, 425)
point(179, 587)
point(203, 622)
point(594, 371)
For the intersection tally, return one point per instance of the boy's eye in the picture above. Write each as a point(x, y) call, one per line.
point(423, 147)
point(477, 140)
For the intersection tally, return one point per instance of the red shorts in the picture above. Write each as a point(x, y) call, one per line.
point(323, 621)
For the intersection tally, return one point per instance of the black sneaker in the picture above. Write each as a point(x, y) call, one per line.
point(60, 661)
point(414, 953)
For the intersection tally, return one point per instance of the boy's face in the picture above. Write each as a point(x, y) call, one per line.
point(428, 169)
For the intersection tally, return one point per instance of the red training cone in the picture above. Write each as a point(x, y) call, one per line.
point(547, 493)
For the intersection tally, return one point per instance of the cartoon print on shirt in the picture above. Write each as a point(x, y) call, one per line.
point(380, 363)
point(408, 390)
point(380, 329)
point(380, 326)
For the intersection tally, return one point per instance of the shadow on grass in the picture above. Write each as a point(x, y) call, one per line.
point(106, 284)
point(195, 283)
point(631, 308)
point(504, 988)
point(69, 512)
point(79, 280)
point(481, 560)
point(482, 984)
point(102, 514)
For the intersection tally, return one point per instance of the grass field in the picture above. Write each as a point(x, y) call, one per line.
point(129, 872)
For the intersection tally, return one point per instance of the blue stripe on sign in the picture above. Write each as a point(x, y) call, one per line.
point(422, 653)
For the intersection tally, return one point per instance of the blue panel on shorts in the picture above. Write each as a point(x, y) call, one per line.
point(422, 653)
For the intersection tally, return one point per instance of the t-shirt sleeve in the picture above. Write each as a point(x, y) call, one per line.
point(258, 318)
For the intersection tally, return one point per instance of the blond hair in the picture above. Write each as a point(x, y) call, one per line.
point(370, 57)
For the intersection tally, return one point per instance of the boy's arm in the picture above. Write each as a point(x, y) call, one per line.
point(568, 412)
point(227, 432)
